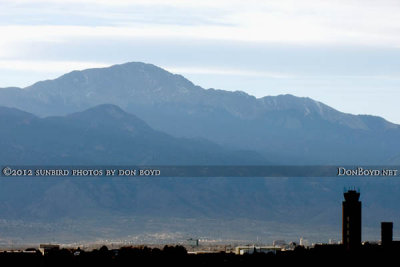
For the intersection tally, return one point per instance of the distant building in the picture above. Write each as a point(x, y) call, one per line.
point(45, 248)
point(386, 233)
point(193, 242)
point(304, 242)
point(241, 250)
point(351, 220)
point(279, 243)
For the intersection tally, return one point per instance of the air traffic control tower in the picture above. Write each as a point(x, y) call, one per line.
point(351, 227)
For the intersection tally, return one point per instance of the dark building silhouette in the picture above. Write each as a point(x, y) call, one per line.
point(386, 233)
point(351, 221)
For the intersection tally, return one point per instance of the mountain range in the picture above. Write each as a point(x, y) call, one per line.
point(284, 129)
point(138, 113)
point(106, 135)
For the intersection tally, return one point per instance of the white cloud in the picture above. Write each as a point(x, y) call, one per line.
point(228, 71)
point(308, 22)
point(48, 66)
point(124, 3)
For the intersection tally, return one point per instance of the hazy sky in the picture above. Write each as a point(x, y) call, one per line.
point(343, 53)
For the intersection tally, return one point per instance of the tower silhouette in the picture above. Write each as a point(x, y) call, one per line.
point(386, 233)
point(351, 221)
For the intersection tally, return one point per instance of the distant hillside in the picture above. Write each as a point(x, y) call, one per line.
point(104, 134)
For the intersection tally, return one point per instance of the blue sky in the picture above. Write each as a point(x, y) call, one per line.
point(343, 53)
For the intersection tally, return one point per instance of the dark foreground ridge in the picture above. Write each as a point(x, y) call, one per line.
point(178, 256)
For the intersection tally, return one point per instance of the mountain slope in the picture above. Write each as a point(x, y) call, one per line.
point(285, 129)
point(104, 134)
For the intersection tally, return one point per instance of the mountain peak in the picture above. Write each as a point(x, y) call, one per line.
point(118, 84)
point(107, 109)
point(288, 101)
point(104, 113)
